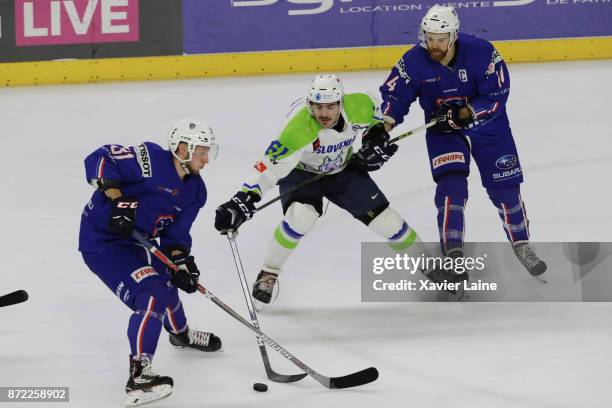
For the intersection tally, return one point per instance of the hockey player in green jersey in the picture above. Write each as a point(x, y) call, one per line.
point(318, 138)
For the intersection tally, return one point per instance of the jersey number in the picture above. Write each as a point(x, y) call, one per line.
point(276, 150)
point(120, 152)
point(392, 83)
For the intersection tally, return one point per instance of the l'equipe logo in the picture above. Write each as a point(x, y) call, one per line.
point(452, 157)
point(142, 273)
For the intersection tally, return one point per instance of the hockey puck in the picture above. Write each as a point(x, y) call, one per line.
point(259, 387)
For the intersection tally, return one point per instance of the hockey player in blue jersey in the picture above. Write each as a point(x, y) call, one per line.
point(463, 83)
point(159, 193)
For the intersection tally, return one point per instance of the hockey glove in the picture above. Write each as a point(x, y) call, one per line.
point(450, 119)
point(375, 149)
point(123, 216)
point(186, 278)
point(232, 214)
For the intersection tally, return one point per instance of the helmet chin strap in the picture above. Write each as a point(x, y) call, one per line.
point(183, 162)
point(184, 166)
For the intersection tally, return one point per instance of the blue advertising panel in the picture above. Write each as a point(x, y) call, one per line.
point(265, 25)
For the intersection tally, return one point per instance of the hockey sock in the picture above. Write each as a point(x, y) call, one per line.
point(175, 320)
point(145, 325)
point(451, 198)
point(511, 211)
point(299, 219)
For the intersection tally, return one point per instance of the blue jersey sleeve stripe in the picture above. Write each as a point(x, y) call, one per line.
point(100, 169)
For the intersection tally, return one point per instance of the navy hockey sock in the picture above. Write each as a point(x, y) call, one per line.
point(175, 320)
point(511, 211)
point(451, 198)
point(145, 325)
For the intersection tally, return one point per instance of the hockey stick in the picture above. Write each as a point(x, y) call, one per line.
point(272, 375)
point(321, 175)
point(13, 298)
point(351, 380)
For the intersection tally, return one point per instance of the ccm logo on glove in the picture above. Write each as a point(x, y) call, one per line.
point(127, 204)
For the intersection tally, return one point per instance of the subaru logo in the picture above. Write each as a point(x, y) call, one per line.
point(506, 162)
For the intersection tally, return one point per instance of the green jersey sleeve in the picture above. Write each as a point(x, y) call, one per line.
point(361, 109)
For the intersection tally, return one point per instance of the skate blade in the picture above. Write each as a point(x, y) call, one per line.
point(196, 350)
point(140, 397)
point(541, 278)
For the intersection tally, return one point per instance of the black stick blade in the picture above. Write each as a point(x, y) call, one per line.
point(353, 380)
point(273, 375)
point(13, 298)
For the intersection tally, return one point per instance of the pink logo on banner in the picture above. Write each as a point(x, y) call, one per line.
point(40, 22)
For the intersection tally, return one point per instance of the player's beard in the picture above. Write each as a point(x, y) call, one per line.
point(437, 54)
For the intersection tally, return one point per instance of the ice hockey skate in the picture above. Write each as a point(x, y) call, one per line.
point(441, 275)
point(526, 254)
point(263, 289)
point(144, 385)
point(196, 339)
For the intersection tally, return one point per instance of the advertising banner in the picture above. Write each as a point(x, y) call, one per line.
point(36, 30)
point(265, 25)
point(78, 21)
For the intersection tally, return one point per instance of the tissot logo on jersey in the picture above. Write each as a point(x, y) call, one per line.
point(336, 147)
point(142, 273)
point(142, 155)
point(453, 157)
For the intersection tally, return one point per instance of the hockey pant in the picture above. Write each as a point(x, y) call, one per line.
point(300, 218)
point(142, 283)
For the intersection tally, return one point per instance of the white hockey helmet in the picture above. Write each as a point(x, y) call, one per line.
point(439, 20)
point(325, 88)
point(194, 134)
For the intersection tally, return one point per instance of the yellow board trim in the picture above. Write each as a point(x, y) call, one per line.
point(272, 62)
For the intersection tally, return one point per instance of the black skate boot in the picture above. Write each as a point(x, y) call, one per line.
point(262, 289)
point(525, 253)
point(144, 385)
point(456, 276)
point(441, 275)
point(196, 339)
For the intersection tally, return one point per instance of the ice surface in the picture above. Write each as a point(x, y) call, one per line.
point(72, 331)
